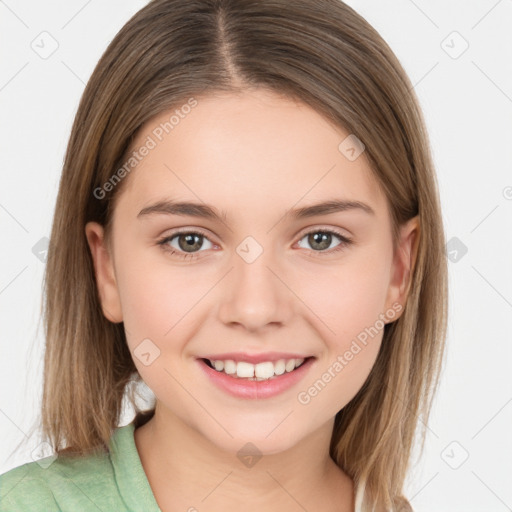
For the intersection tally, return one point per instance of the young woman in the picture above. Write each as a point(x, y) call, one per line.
point(248, 222)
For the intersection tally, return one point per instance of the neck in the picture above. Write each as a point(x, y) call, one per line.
point(187, 471)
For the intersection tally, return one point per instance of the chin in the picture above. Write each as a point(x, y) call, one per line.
point(260, 439)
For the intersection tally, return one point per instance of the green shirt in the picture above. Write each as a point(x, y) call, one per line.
point(113, 482)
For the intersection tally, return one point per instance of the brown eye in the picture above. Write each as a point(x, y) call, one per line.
point(185, 243)
point(190, 242)
point(321, 240)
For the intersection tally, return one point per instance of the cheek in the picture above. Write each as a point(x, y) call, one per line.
point(346, 298)
point(158, 308)
point(162, 303)
point(155, 297)
point(348, 307)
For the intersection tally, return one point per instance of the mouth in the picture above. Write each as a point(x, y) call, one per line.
point(257, 380)
point(265, 370)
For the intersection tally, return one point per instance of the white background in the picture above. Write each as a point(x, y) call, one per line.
point(467, 103)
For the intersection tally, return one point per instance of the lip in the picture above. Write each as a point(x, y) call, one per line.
point(252, 389)
point(255, 358)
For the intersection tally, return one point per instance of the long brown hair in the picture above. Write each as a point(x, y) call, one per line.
point(324, 54)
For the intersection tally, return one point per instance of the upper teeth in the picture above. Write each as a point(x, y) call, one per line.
point(259, 371)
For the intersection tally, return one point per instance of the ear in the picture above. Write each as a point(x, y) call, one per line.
point(403, 262)
point(104, 271)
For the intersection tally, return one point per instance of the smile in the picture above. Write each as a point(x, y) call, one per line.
point(264, 379)
point(257, 372)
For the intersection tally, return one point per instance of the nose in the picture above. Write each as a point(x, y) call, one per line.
point(255, 295)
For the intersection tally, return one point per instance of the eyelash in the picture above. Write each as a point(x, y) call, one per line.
point(344, 242)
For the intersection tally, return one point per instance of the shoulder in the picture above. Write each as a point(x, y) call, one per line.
point(21, 489)
point(60, 483)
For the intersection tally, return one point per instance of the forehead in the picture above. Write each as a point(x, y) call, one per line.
point(251, 150)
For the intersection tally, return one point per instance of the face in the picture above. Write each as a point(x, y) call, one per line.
point(252, 274)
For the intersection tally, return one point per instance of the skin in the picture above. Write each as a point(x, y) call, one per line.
point(254, 155)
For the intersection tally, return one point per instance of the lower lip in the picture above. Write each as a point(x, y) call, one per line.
point(254, 389)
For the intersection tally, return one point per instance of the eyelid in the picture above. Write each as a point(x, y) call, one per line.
point(188, 231)
point(332, 229)
point(185, 231)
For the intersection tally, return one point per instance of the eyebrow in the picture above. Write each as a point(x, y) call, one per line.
point(170, 207)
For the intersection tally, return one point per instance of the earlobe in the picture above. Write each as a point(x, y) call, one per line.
point(404, 261)
point(104, 272)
